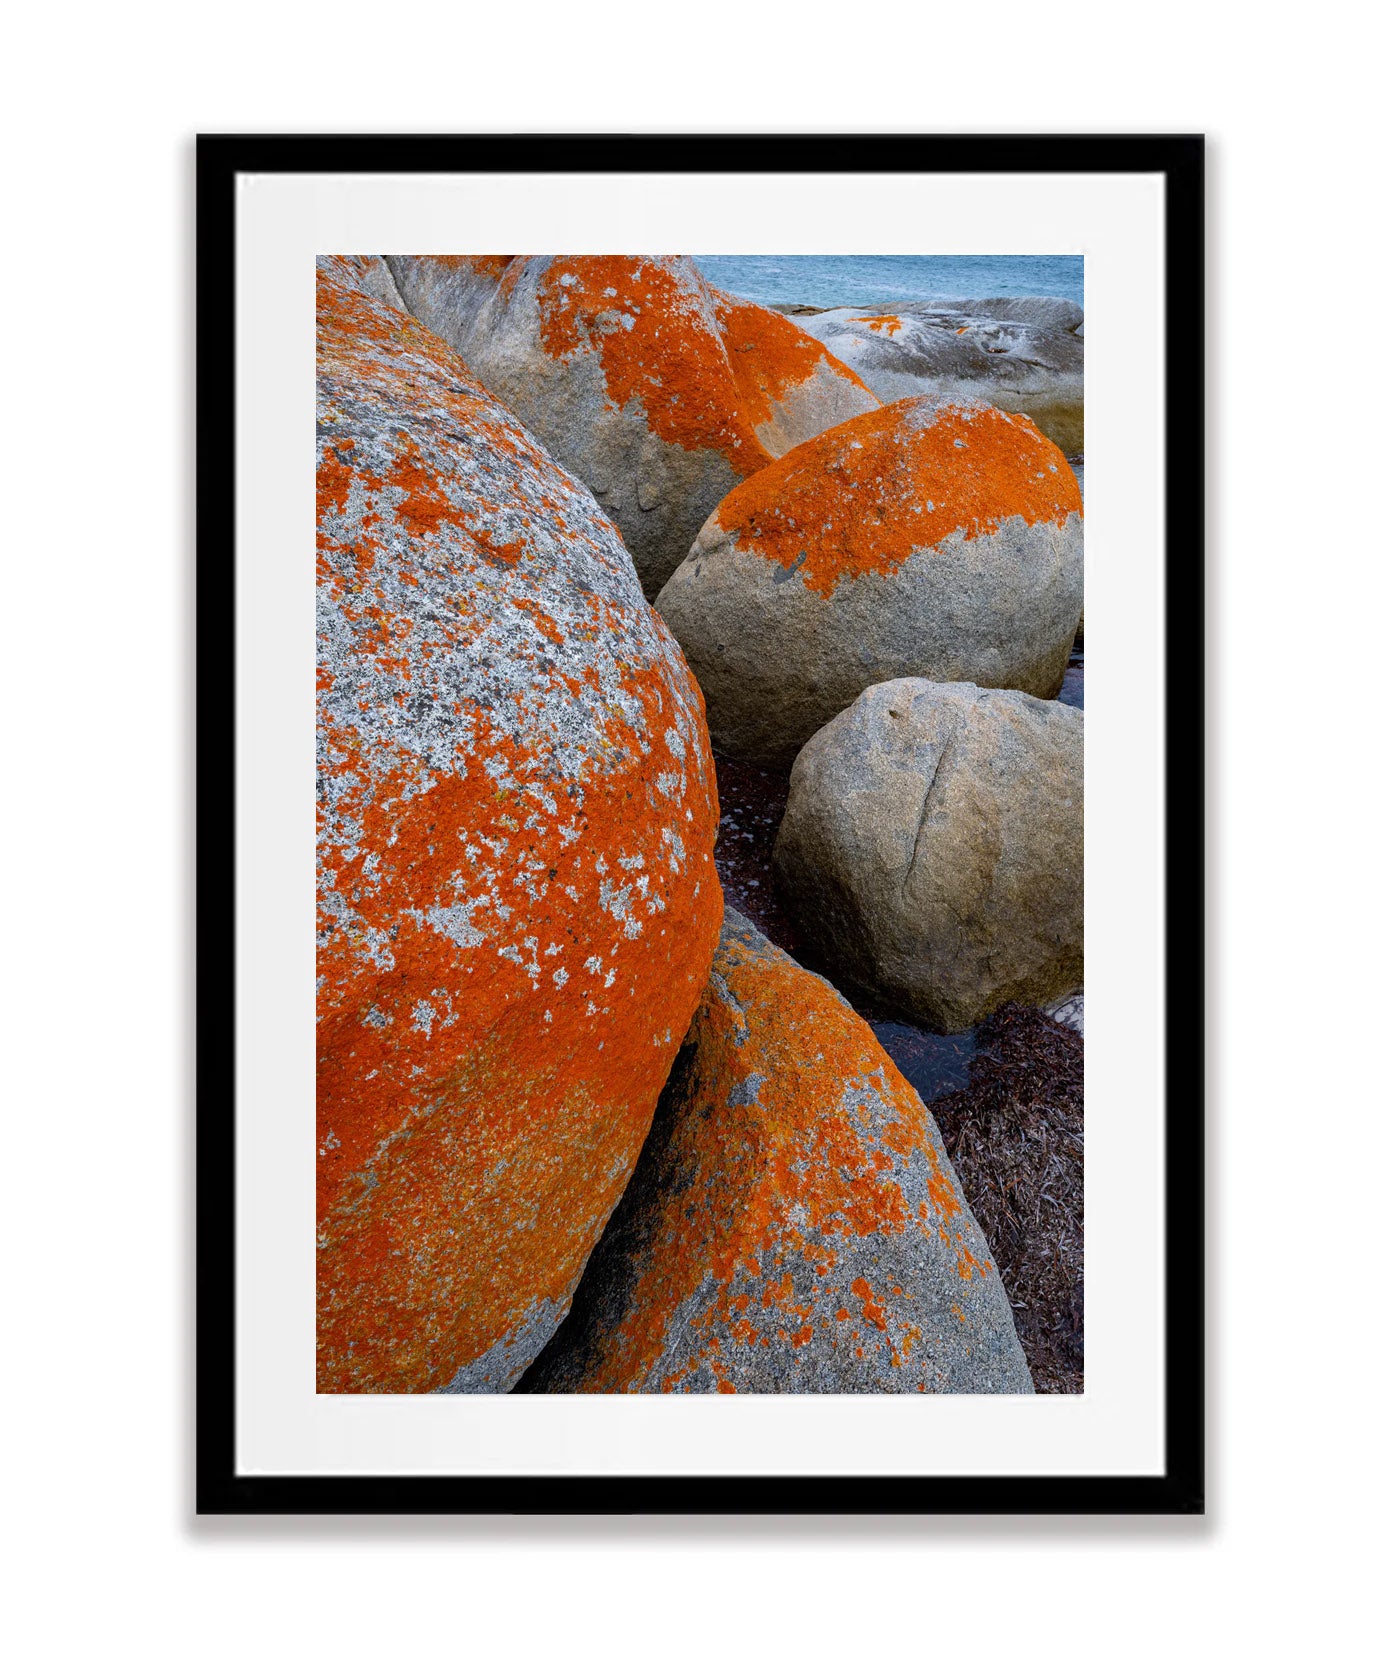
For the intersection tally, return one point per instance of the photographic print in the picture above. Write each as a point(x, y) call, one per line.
point(700, 757)
point(704, 955)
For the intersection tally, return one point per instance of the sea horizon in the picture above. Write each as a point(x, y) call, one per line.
point(829, 282)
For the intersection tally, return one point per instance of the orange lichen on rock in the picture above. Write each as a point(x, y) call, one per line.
point(516, 898)
point(928, 538)
point(760, 1201)
point(882, 323)
point(651, 323)
point(770, 357)
point(658, 392)
point(867, 494)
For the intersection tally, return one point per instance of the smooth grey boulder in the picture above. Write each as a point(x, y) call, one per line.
point(932, 849)
point(927, 539)
point(1025, 355)
point(793, 1225)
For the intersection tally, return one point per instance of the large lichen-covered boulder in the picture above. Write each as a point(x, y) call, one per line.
point(793, 1225)
point(924, 539)
point(659, 393)
point(517, 902)
point(1025, 355)
point(932, 849)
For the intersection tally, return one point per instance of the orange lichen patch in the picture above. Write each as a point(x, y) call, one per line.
point(882, 323)
point(770, 357)
point(423, 507)
point(864, 496)
point(872, 1305)
point(940, 1192)
point(771, 1169)
point(650, 322)
point(541, 619)
point(516, 902)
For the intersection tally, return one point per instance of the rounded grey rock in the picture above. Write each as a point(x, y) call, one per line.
point(932, 849)
point(796, 596)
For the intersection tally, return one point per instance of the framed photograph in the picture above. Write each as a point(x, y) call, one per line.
point(700, 988)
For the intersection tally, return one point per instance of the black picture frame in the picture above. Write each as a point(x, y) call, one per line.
point(1179, 160)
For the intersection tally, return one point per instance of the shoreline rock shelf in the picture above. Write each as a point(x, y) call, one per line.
point(793, 1225)
point(925, 539)
point(517, 902)
point(1024, 355)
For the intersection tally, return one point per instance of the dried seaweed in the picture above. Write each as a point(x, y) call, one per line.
point(752, 802)
point(1016, 1138)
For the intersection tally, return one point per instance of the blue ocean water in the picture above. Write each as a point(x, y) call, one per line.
point(829, 282)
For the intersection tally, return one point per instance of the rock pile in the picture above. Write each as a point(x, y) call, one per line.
point(563, 1142)
point(924, 539)
point(658, 392)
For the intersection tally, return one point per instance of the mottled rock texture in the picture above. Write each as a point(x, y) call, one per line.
point(933, 849)
point(793, 1225)
point(924, 539)
point(447, 293)
point(516, 900)
point(660, 393)
point(1025, 355)
point(365, 274)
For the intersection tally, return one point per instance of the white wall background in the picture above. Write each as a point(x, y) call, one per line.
point(1288, 1574)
